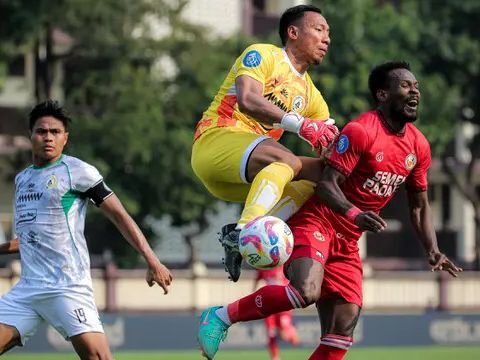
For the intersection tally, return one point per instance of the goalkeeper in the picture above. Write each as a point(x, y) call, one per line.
point(267, 91)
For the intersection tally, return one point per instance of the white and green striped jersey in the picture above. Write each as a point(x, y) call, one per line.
point(50, 209)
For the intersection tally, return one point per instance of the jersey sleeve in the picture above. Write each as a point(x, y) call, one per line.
point(317, 108)
point(255, 62)
point(84, 177)
point(418, 179)
point(87, 180)
point(348, 149)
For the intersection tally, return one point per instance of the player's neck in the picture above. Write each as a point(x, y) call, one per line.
point(394, 125)
point(297, 60)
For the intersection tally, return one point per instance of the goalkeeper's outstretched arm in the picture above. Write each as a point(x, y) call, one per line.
point(10, 247)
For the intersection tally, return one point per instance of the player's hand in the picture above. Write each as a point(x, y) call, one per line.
point(319, 134)
point(159, 273)
point(369, 221)
point(440, 262)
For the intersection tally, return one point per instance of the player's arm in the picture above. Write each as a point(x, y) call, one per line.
point(421, 217)
point(114, 210)
point(328, 191)
point(250, 100)
point(11, 247)
point(111, 207)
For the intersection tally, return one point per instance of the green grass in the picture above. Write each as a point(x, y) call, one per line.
point(412, 353)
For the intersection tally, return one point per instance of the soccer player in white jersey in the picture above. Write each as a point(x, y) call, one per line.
point(50, 206)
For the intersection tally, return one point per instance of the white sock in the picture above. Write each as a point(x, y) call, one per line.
point(222, 313)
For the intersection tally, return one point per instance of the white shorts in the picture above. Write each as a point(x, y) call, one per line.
point(71, 311)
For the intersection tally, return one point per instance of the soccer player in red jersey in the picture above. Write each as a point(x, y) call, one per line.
point(373, 156)
point(280, 324)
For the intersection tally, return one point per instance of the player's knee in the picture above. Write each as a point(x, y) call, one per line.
point(97, 354)
point(345, 324)
point(309, 291)
point(293, 161)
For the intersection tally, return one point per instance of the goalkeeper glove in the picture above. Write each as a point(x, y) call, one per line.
point(319, 134)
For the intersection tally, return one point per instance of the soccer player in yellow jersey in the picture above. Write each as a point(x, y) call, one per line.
point(267, 91)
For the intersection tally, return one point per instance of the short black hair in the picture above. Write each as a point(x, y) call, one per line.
point(292, 15)
point(49, 108)
point(379, 77)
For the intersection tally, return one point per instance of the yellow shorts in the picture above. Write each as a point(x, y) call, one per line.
point(219, 159)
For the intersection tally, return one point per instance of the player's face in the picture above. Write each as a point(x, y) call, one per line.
point(49, 137)
point(313, 37)
point(404, 95)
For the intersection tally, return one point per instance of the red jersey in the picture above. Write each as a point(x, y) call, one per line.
point(375, 161)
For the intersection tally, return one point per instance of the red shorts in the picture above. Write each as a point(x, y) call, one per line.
point(337, 252)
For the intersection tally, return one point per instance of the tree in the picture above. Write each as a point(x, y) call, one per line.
point(140, 113)
point(442, 45)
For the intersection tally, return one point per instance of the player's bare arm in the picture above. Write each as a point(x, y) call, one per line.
point(157, 272)
point(421, 217)
point(10, 247)
point(319, 133)
point(328, 190)
point(251, 101)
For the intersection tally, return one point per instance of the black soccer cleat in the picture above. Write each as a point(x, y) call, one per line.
point(233, 259)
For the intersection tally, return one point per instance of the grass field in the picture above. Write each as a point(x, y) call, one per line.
point(418, 353)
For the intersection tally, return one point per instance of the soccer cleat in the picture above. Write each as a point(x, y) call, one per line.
point(233, 259)
point(211, 332)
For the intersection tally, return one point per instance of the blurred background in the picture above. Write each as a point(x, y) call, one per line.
point(136, 77)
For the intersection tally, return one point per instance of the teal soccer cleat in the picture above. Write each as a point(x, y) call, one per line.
point(211, 332)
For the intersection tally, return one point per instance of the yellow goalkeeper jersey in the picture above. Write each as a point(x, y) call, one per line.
point(283, 86)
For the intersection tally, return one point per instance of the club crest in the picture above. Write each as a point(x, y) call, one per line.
point(410, 161)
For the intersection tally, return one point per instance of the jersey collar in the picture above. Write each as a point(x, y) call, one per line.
point(291, 65)
point(49, 165)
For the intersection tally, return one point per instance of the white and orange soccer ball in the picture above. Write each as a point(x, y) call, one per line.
point(266, 242)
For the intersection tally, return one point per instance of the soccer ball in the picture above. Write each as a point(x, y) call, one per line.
point(266, 242)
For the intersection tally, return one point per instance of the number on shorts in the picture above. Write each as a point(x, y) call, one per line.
point(80, 314)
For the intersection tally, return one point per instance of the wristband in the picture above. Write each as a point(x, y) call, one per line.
point(291, 122)
point(352, 213)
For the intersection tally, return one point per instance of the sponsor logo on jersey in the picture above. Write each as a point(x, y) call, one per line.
point(319, 236)
point(26, 216)
point(252, 59)
point(410, 161)
point(379, 156)
point(384, 183)
point(342, 144)
point(276, 101)
point(298, 103)
point(52, 182)
point(29, 196)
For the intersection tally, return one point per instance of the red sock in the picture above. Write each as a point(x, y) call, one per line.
point(266, 301)
point(332, 347)
point(273, 348)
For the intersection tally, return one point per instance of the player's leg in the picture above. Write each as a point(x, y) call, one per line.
point(287, 328)
point(219, 159)
point(9, 337)
point(341, 301)
point(305, 274)
point(271, 330)
point(18, 320)
point(73, 313)
point(270, 168)
point(338, 318)
point(91, 346)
